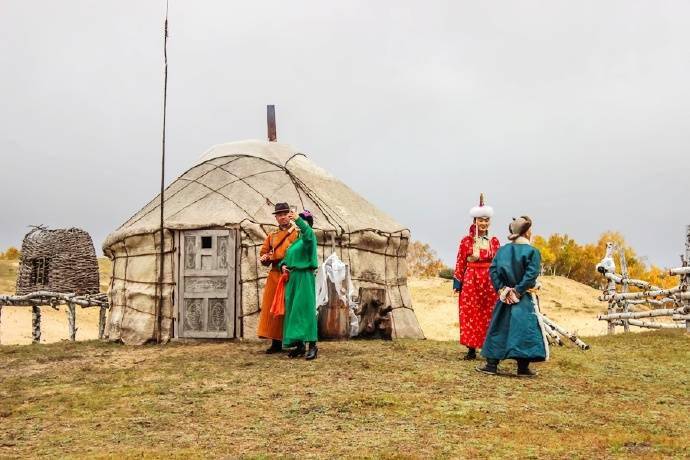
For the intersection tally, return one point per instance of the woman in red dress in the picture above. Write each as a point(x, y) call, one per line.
point(477, 296)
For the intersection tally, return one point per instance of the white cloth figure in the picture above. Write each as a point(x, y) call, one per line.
point(337, 271)
point(607, 265)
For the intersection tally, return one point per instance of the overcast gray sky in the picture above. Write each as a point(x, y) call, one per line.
point(574, 112)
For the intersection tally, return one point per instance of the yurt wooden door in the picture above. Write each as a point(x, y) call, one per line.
point(207, 284)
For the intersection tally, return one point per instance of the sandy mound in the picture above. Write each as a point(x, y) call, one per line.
point(16, 325)
point(571, 304)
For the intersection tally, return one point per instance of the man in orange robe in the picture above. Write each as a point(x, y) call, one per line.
point(272, 252)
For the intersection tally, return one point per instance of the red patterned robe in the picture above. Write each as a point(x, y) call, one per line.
point(478, 297)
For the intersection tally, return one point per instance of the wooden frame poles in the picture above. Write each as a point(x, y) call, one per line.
point(37, 299)
point(619, 303)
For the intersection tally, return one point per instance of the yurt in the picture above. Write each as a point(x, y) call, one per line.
point(216, 216)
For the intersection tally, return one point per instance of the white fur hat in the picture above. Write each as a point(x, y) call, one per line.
point(482, 210)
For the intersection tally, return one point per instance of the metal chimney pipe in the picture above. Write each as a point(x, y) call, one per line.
point(271, 119)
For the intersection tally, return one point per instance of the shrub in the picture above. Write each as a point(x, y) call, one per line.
point(446, 273)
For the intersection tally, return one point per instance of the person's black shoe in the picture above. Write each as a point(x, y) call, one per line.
point(488, 368)
point(471, 355)
point(523, 369)
point(276, 347)
point(298, 351)
point(526, 373)
point(312, 353)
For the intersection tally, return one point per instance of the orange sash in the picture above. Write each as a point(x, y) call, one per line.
point(278, 305)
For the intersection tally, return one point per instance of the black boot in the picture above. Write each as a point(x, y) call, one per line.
point(491, 367)
point(276, 347)
point(299, 350)
point(471, 354)
point(312, 352)
point(524, 370)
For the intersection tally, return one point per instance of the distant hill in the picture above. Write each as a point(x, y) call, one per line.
point(571, 304)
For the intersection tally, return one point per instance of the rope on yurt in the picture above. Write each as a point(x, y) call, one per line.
point(242, 179)
point(210, 192)
point(256, 270)
point(318, 201)
point(181, 189)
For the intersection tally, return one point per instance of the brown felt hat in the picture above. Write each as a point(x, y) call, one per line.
point(519, 227)
point(281, 207)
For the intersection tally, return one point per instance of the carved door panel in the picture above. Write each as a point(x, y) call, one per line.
point(207, 306)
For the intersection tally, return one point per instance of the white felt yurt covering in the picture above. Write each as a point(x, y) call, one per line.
point(234, 186)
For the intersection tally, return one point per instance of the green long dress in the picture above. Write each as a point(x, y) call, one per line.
point(300, 323)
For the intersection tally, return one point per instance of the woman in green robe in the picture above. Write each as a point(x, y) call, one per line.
point(516, 331)
point(300, 323)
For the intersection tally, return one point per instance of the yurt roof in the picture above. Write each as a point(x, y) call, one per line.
point(240, 182)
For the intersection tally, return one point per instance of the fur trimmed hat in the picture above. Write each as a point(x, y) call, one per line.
point(482, 210)
point(518, 227)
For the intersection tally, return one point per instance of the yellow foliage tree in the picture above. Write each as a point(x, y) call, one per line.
point(12, 253)
point(422, 260)
point(563, 256)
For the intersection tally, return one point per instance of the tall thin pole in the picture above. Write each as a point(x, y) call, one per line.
point(159, 305)
point(686, 278)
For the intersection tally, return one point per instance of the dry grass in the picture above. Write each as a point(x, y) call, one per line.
point(628, 396)
point(8, 276)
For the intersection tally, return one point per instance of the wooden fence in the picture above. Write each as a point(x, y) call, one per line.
point(673, 302)
point(36, 300)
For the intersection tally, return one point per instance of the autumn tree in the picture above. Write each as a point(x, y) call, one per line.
point(12, 253)
point(563, 256)
point(422, 260)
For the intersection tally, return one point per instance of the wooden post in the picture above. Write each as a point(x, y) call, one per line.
point(271, 119)
point(686, 278)
point(101, 323)
point(611, 289)
point(72, 321)
point(36, 323)
point(374, 318)
point(624, 272)
point(334, 317)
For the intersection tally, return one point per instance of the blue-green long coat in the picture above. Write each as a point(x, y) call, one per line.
point(515, 331)
point(300, 324)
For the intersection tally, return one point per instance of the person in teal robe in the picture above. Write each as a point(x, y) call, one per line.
point(300, 261)
point(516, 331)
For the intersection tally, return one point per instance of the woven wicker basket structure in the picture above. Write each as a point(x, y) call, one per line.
point(59, 260)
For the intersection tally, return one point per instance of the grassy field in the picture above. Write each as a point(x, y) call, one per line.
point(627, 397)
